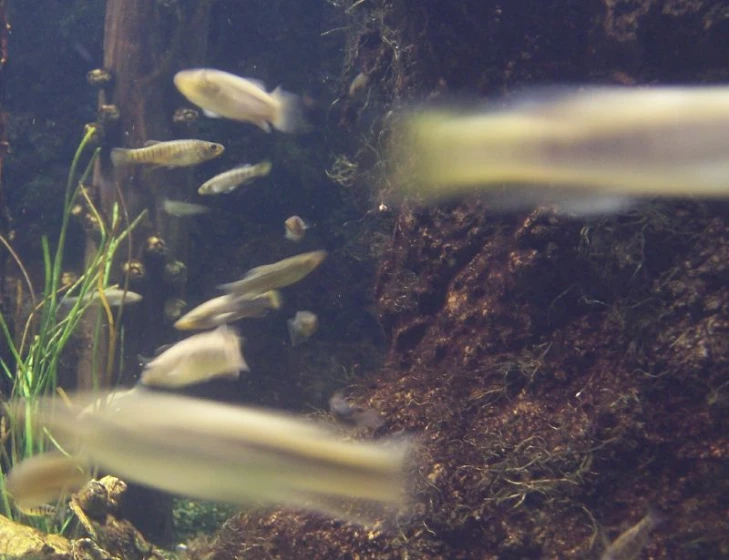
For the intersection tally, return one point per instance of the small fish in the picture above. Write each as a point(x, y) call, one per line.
point(228, 308)
point(196, 359)
point(361, 417)
point(358, 85)
point(181, 209)
point(302, 326)
point(43, 510)
point(276, 275)
point(230, 180)
point(44, 478)
point(234, 454)
point(631, 542)
point(590, 150)
point(173, 153)
point(221, 94)
point(295, 228)
point(114, 296)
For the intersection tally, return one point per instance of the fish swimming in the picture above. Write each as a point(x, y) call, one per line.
point(597, 146)
point(295, 228)
point(173, 153)
point(631, 542)
point(242, 455)
point(182, 209)
point(44, 478)
point(114, 296)
point(196, 359)
point(276, 275)
point(228, 308)
point(228, 181)
point(221, 94)
point(302, 326)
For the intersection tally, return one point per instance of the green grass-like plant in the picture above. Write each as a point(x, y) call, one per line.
point(36, 351)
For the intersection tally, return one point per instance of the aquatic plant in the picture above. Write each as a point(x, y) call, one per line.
point(32, 365)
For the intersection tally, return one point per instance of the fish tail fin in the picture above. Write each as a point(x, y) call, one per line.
point(290, 116)
point(120, 157)
point(275, 298)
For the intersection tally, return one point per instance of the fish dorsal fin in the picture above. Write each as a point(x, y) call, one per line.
point(149, 143)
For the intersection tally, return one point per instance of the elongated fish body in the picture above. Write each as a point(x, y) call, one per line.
point(44, 478)
point(199, 358)
point(221, 94)
point(182, 209)
point(277, 275)
point(242, 455)
point(626, 142)
point(230, 180)
point(228, 308)
point(173, 153)
point(302, 326)
point(630, 543)
point(114, 297)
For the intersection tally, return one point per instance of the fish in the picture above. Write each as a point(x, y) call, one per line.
point(276, 275)
point(114, 296)
point(228, 308)
point(302, 326)
point(589, 150)
point(361, 417)
point(228, 181)
point(631, 542)
point(221, 94)
point(359, 83)
point(44, 478)
point(295, 228)
point(172, 153)
point(229, 453)
point(181, 209)
point(196, 359)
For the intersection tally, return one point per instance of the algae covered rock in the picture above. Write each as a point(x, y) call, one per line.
point(20, 541)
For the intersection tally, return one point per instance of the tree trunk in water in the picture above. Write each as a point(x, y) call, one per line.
point(143, 48)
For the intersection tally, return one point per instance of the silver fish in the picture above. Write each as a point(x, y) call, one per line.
point(181, 209)
point(228, 308)
point(114, 296)
point(302, 326)
point(199, 358)
point(241, 455)
point(230, 180)
point(41, 479)
point(589, 150)
point(630, 543)
point(172, 153)
point(276, 275)
point(221, 94)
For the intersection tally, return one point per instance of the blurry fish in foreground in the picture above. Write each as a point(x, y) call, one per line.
point(295, 228)
point(173, 153)
point(44, 478)
point(630, 543)
point(221, 94)
point(276, 275)
point(598, 148)
point(242, 455)
point(114, 296)
point(228, 181)
point(199, 358)
point(228, 308)
point(181, 209)
point(302, 326)
point(361, 417)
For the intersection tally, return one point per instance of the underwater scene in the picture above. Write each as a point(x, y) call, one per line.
point(364, 279)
